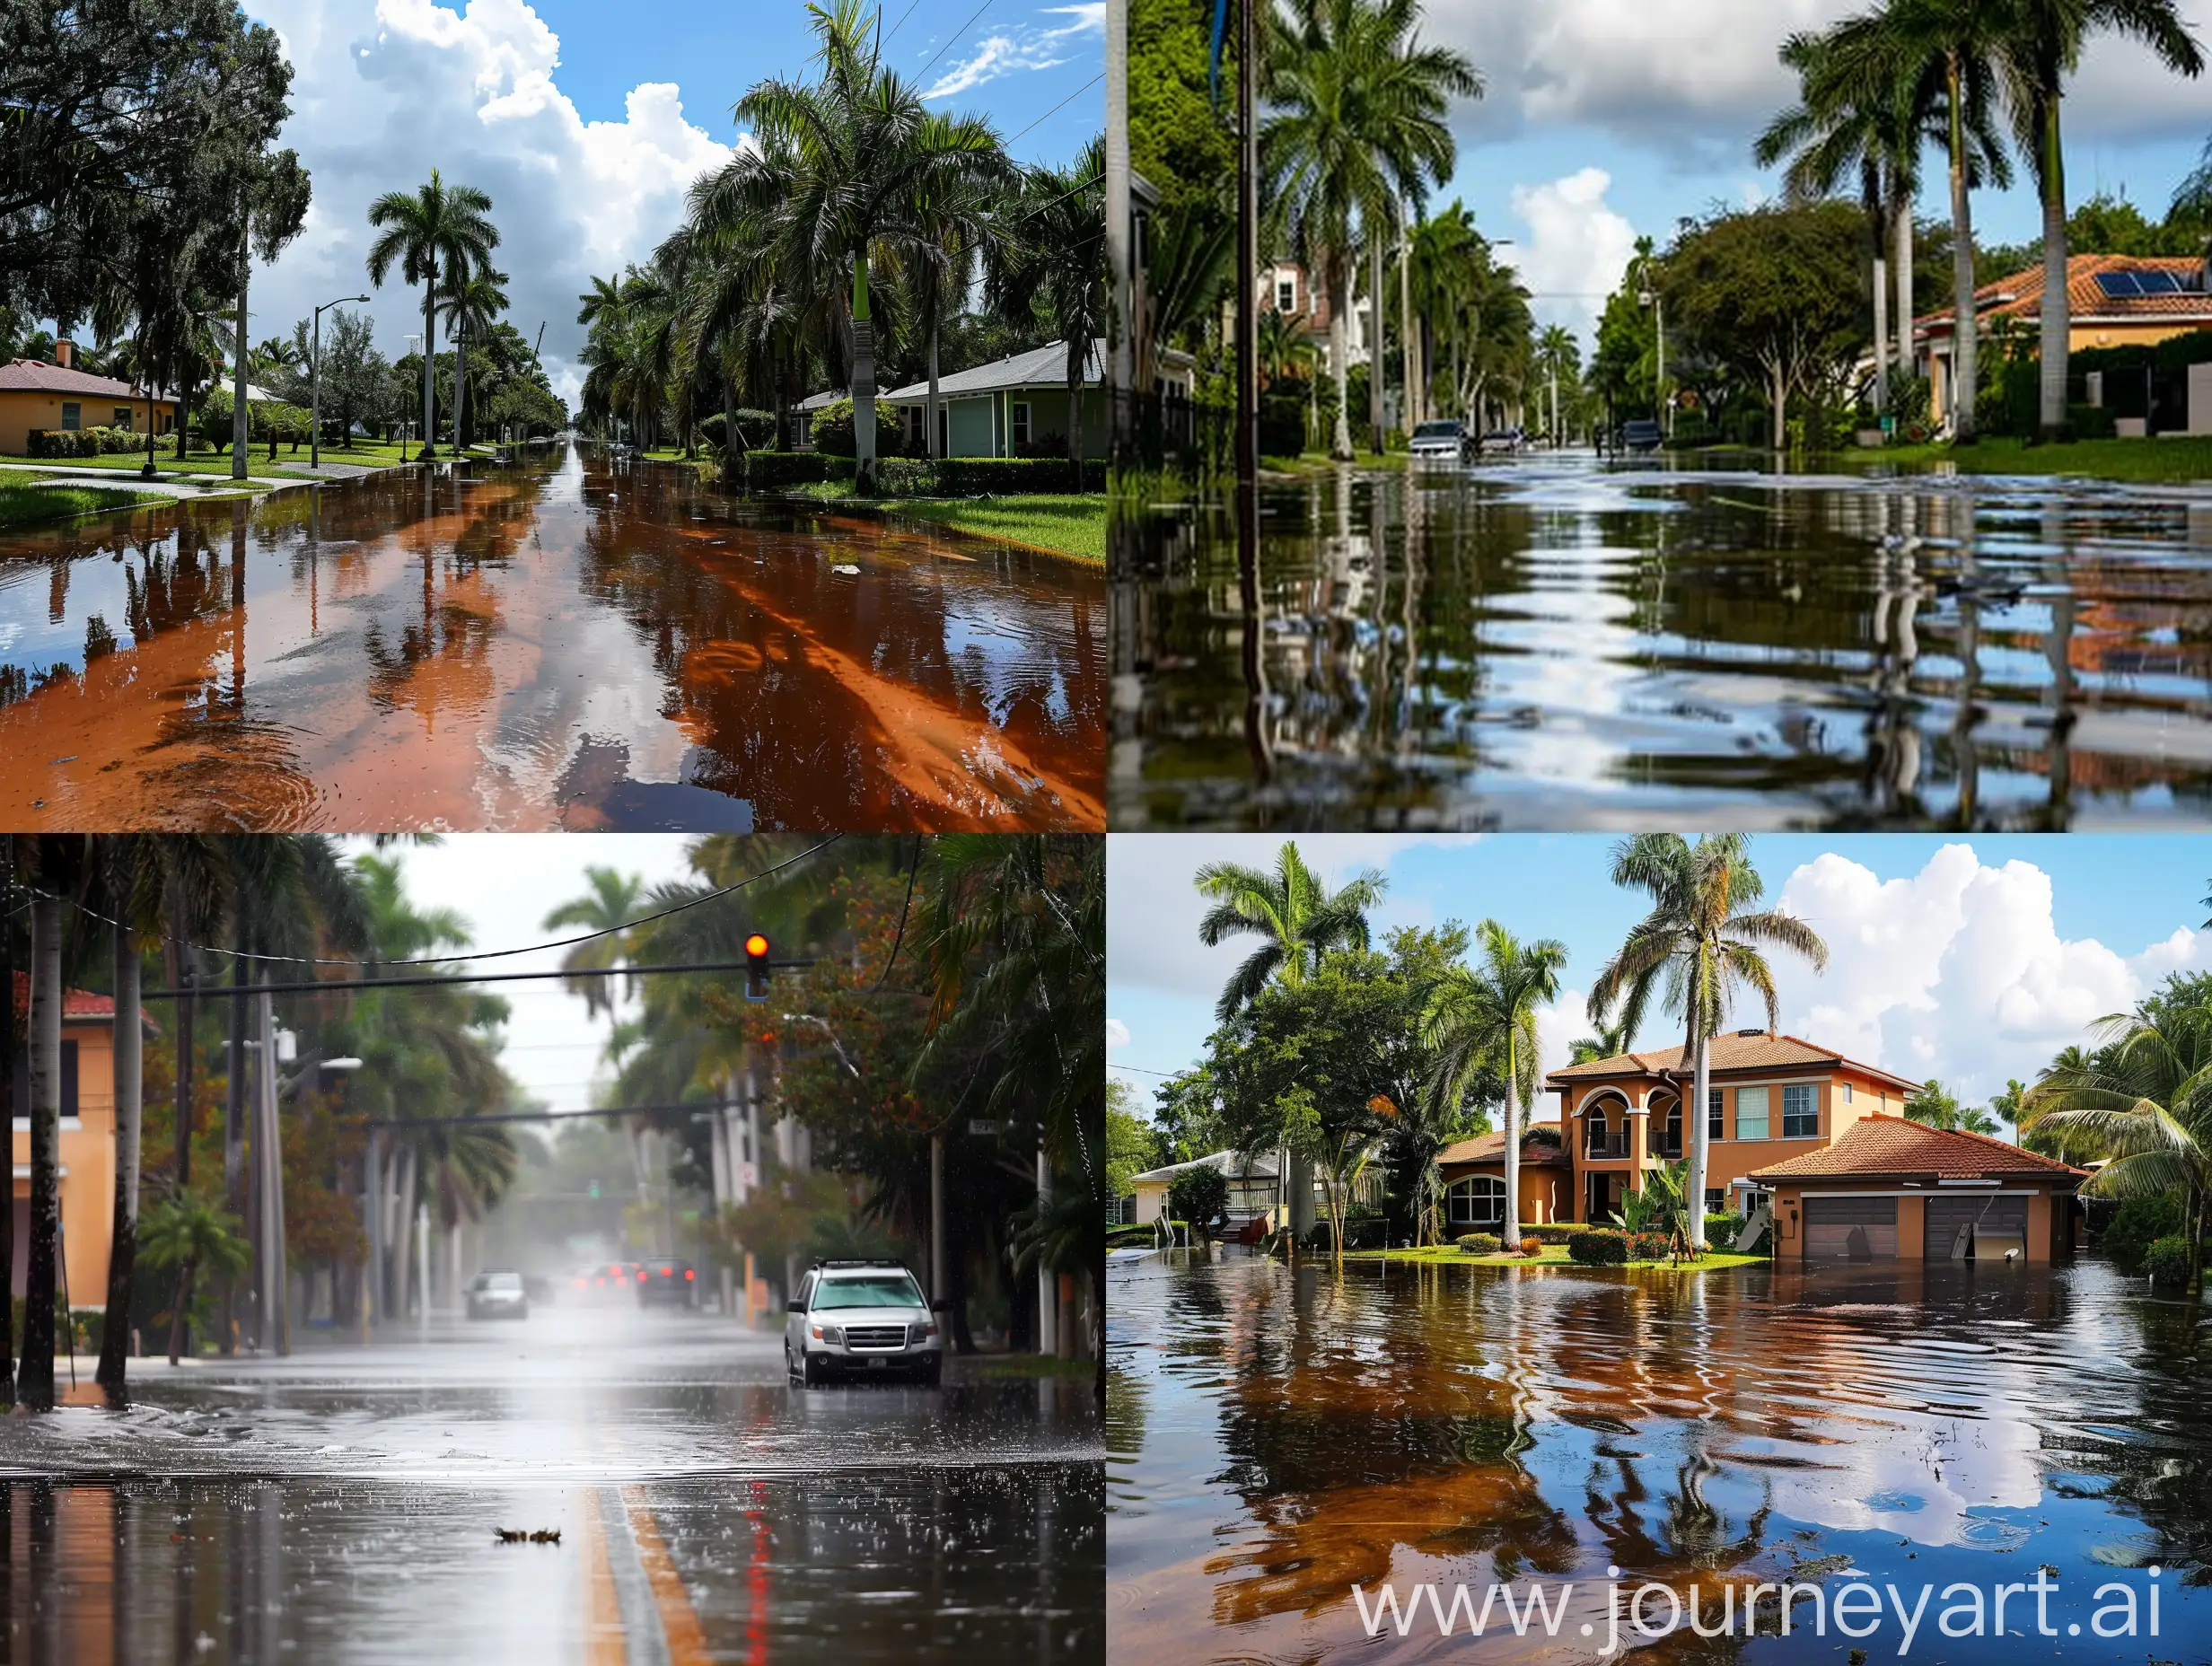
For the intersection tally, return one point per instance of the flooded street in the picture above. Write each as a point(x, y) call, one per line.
point(1275, 1438)
point(344, 1505)
point(568, 641)
point(1549, 644)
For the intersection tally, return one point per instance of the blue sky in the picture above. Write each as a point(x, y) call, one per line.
point(1970, 959)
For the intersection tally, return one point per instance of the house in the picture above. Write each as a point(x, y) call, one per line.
point(801, 417)
point(1770, 1098)
point(87, 1145)
point(1887, 1189)
point(1253, 1187)
point(36, 394)
point(1474, 1181)
point(1014, 406)
point(2112, 301)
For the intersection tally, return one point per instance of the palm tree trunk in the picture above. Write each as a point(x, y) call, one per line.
point(179, 1307)
point(1700, 1078)
point(2056, 320)
point(1965, 326)
point(430, 359)
point(1900, 242)
point(1374, 347)
point(35, 1380)
point(1078, 356)
point(129, 1088)
point(8, 1109)
point(1875, 217)
point(729, 424)
point(1512, 1156)
point(1339, 354)
point(929, 410)
point(864, 380)
point(239, 410)
point(461, 381)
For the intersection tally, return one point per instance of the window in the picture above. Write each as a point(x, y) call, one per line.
point(71, 415)
point(945, 429)
point(1715, 1201)
point(1801, 1112)
point(1020, 421)
point(1751, 1113)
point(1479, 1200)
point(1713, 1114)
point(1844, 1088)
point(122, 418)
point(1285, 295)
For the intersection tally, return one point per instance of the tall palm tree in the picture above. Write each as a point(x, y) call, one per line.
point(1488, 1016)
point(1609, 1041)
point(472, 305)
point(2045, 52)
point(1558, 358)
point(1299, 918)
point(1042, 260)
point(440, 231)
point(1359, 119)
point(192, 1234)
point(1704, 939)
point(54, 865)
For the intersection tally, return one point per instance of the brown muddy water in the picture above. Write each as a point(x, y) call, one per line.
point(1277, 1437)
point(568, 641)
point(1551, 643)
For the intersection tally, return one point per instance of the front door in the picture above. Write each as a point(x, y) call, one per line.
point(1602, 1199)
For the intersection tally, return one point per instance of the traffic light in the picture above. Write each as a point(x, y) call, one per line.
point(756, 967)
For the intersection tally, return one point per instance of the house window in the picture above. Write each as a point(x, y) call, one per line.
point(944, 430)
point(1285, 295)
point(1801, 1113)
point(1751, 1113)
point(1713, 1114)
point(71, 415)
point(1715, 1201)
point(121, 419)
point(1844, 1088)
point(1479, 1200)
point(1019, 422)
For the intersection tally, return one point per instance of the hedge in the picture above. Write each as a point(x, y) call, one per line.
point(1721, 1230)
point(1648, 1247)
point(83, 442)
point(1555, 1232)
point(2167, 1260)
point(1599, 1246)
point(765, 470)
point(1479, 1243)
point(990, 477)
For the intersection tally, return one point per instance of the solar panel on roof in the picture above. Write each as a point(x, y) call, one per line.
point(2159, 283)
point(2119, 285)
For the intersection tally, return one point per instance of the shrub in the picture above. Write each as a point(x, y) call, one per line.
point(2090, 422)
point(1532, 1247)
point(1648, 1247)
point(2136, 1225)
point(767, 470)
point(905, 477)
point(1721, 1230)
point(1200, 1196)
point(2167, 1260)
point(1598, 1246)
point(1554, 1231)
point(981, 476)
point(755, 429)
point(1479, 1243)
point(832, 430)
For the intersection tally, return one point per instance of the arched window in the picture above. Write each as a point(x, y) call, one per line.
point(1599, 1137)
point(1479, 1200)
point(1667, 1129)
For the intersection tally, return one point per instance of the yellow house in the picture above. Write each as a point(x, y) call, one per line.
point(35, 394)
point(87, 1145)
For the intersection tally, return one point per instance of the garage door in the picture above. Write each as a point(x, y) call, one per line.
point(1956, 1225)
point(1850, 1229)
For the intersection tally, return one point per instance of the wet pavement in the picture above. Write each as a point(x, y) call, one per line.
point(345, 1505)
point(565, 642)
point(1275, 1438)
point(1548, 643)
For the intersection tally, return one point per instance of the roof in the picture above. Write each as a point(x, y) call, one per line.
point(1257, 1166)
point(2020, 295)
point(77, 1005)
point(827, 398)
point(1039, 367)
point(1539, 1144)
point(1738, 1050)
point(1894, 1148)
point(40, 376)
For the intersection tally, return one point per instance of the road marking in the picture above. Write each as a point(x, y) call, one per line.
point(603, 1641)
point(679, 1621)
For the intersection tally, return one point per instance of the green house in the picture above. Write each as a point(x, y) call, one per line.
point(1015, 406)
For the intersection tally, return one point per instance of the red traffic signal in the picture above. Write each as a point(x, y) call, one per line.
point(756, 967)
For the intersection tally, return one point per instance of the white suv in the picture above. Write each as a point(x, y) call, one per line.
point(861, 1319)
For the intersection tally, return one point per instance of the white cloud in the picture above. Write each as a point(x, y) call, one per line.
point(378, 100)
point(1116, 1033)
point(1957, 972)
point(1577, 246)
point(1024, 47)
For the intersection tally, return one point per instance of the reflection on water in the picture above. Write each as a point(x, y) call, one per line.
point(566, 641)
point(1549, 644)
point(1277, 1436)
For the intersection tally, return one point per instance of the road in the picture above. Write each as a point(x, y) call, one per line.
point(344, 1505)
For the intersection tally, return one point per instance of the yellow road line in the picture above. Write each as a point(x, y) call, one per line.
point(679, 1621)
point(603, 1641)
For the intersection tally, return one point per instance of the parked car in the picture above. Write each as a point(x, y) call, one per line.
point(498, 1292)
point(861, 1319)
point(1503, 440)
point(1444, 442)
point(667, 1284)
point(1640, 433)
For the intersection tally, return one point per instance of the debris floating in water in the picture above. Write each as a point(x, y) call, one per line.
point(518, 1536)
point(845, 567)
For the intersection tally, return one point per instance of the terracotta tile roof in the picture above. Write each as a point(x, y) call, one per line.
point(1890, 1147)
point(1734, 1051)
point(79, 1004)
point(1491, 1148)
point(2021, 294)
point(38, 376)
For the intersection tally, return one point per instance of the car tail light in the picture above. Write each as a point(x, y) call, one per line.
point(689, 1274)
point(599, 1281)
point(644, 1274)
point(668, 1272)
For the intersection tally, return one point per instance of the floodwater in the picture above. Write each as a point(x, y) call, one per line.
point(569, 641)
point(1275, 1438)
point(344, 1506)
point(1550, 643)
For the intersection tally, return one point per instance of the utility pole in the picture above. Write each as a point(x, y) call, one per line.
point(1247, 276)
point(1121, 371)
point(1047, 1292)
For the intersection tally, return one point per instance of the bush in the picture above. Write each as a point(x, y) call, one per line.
point(2167, 1260)
point(1721, 1230)
point(1200, 1196)
point(1282, 424)
point(832, 430)
point(1532, 1247)
point(984, 477)
point(1648, 1247)
point(1479, 1243)
point(755, 429)
point(64, 442)
point(767, 470)
point(2092, 422)
point(1598, 1246)
point(2137, 1224)
point(1554, 1233)
point(905, 477)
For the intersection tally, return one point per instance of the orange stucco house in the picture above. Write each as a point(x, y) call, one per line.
point(1474, 1181)
point(37, 394)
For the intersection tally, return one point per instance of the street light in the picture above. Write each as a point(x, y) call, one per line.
point(314, 373)
point(1648, 296)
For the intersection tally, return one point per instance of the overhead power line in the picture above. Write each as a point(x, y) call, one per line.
point(955, 35)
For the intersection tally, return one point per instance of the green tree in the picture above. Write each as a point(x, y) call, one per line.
point(471, 306)
point(1200, 1198)
point(1936, 1106)
point(1299, 918)
point(1132, 1144)
point(1045, 259)
point(1703, 940)
point(438, 232)
point(190, 1233)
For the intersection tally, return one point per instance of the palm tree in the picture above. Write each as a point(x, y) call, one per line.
point(1299, 918)
point(187, 1231)
point(1702, 938)
point(1489, 1016)
point(2145, 1096)
point(1611, 1042)
point(2048, 47)
point(1558, 358)
point(439, 229)
point(870, 157)
point(53, 863)
point(1042, 260)
point(474, 304)
point(1359, 120)
point(2192, 198)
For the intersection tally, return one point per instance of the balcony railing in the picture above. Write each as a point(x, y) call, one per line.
point(1603, 1144)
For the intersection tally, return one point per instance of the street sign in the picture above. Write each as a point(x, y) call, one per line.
point(981, 1128)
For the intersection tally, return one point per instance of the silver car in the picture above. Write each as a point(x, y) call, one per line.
point(861, 1319)
point(497, 1294)
point(1441, 442)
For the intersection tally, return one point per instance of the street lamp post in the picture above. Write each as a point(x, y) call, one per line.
point(314, 373)
point(1648, 296)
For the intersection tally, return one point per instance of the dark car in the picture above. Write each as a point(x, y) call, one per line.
point(667, 1284)
point(1640, 433)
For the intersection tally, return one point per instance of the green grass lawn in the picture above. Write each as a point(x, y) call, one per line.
point(1554, 1254)
point(1321, 462)
point(366, 455)
point(1067, 523)
point(30, 505)
point(2163, 463)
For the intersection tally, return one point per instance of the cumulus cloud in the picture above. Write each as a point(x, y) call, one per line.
point(1577, 250)
point(1023, 47)
point(378, 100)
point(1116, 1033)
